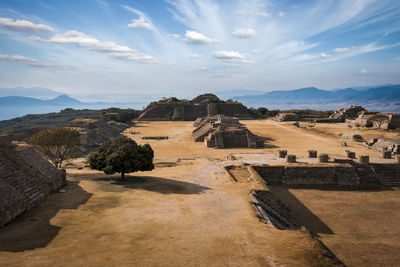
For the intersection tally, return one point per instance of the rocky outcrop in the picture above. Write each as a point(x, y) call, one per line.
point(26, 179)
point(350, 112)
point(189, 110)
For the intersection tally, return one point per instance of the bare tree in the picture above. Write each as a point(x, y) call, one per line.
point(56, 144)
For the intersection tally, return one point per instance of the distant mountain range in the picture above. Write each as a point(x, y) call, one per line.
point(380, 98)
point(16, 106)
point(18, 101)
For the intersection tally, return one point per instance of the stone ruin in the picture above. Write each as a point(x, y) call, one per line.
point(287, 117)
point(95, 132)
point(350, 112)
point(385, 144)
point(365, 119)
point(26, 179)
point(224, 132)
point(173, 109)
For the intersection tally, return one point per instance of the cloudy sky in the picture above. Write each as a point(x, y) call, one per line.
point(184, 47)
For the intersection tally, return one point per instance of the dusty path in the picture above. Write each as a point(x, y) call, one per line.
point(187, 212)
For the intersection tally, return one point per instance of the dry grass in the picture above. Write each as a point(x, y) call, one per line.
point(186, 212)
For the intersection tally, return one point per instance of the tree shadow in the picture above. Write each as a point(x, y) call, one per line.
point(32, 229)
point(160, 185)
point(300, 213)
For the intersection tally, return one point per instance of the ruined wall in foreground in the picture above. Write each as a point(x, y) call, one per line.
point(26, 179)
point(356, 176)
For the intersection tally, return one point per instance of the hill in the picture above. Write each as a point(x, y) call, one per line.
point(381, 98)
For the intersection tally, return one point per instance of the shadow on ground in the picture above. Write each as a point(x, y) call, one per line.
point(160, 185)
point(300, 213)
point(33, 229)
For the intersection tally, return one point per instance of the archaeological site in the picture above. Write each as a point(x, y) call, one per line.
point(302, 188)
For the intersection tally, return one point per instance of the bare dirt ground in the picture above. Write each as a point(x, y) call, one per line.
point(189, 212)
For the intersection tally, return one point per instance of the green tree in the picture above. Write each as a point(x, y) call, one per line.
point(56, 144)
point(122, 155)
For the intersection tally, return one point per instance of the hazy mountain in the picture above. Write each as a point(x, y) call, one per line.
point(36, 92)
point(381, 98)
point(16, 106)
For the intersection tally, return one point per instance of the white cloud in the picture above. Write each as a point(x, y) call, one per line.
point(341, 50)
point(91, 43)
point(195, 56)
point(363, 71)
point(141, 23)
point(134, 56)
point(193, 37)
point(25, 26)
point(281, 14)
point(323, 55)
point(232, 56)
point(244, 33)
point(25, 60)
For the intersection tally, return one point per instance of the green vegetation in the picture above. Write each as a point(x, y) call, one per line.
point(56, 144)
point(122, 155)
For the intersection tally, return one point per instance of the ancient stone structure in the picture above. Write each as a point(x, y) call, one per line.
point(287, 117)
point(312, 153)
point(26, 179)
point(386, 154)
point(385, 144)
point(366, 119)
point(346, 113)
point(323, 157)
point(282, 154)
point(189, 110)
point(353, 175)
point(364, 159)
point(223, 132)
point(95, 132)
point(291, 158)
point(351, 154)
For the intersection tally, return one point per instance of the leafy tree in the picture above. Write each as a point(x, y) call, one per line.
point(56, 144)
point(122, 155)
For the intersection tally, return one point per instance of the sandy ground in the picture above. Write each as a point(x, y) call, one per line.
point(186, 212)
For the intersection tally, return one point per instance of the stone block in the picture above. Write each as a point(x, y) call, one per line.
point(282, 153)
point(291, 158)
point(312, 153)
point(364, 159)
point(323, 158)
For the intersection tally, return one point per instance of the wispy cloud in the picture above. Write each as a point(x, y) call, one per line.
point(25, 60)
point(24, 26)
point(91, 43)
point(141, 23)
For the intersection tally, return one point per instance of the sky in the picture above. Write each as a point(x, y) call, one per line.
point(111, 49)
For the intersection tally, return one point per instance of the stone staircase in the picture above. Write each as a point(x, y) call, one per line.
point(25, 180)
point(387, 174)
point(368, 179)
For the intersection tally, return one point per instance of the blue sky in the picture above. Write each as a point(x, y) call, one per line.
point(104, 48)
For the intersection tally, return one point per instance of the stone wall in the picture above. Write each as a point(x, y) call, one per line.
point(305, 175)
point(26, 179)
point(353, 175)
